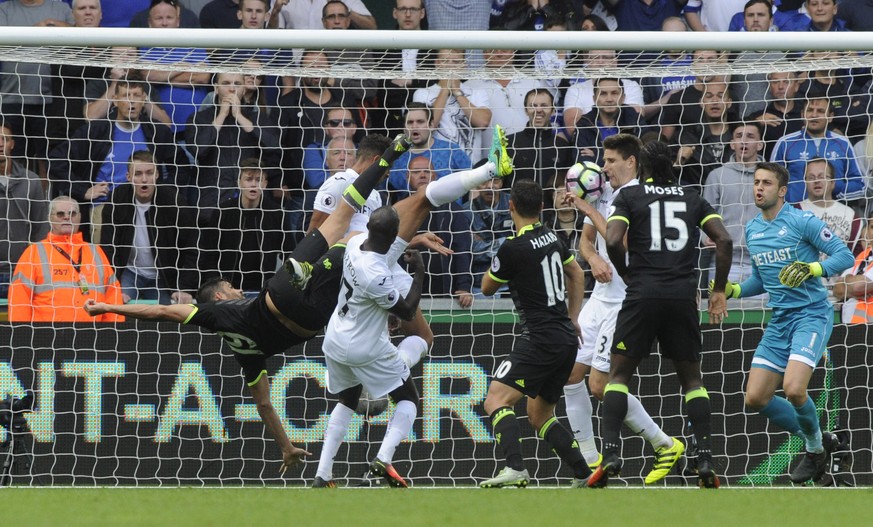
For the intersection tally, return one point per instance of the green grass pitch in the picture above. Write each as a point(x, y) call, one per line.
point(534, 507)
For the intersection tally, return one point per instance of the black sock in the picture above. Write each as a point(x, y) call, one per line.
point(614, 412)
point(700, 414)
point(566, 447)
point(508, 436)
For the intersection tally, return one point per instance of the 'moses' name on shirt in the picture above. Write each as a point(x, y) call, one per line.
point(768, 257)
point(665, 191)
point(544, 240)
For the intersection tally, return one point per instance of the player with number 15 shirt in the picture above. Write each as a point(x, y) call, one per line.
point(662, 239)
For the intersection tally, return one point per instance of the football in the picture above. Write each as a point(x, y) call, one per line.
point(586, 180)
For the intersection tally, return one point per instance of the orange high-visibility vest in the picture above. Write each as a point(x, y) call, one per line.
point(863, 311)
point(52, 285)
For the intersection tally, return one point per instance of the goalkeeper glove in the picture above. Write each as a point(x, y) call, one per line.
point(795, 273)
point(731, 290)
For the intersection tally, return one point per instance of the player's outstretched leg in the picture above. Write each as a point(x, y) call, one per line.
point(498, 154)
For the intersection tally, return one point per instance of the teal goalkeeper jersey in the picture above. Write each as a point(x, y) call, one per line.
point(794, 235)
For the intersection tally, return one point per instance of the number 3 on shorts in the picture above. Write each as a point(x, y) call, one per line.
point(503, 369)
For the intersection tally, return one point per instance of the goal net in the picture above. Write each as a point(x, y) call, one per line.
point(260, 119)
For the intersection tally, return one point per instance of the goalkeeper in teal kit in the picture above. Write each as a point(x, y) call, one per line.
point(784, 244)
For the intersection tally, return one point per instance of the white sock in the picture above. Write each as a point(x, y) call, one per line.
point(337, 427)
point(451, 187)
point(579, 411)
point(412, 349)
point(639, 420)
point(398, 430)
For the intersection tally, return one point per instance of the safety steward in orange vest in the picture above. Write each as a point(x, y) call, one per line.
point(855, 287)
point(54, 277)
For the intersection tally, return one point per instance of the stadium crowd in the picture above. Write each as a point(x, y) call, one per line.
point(178, 176)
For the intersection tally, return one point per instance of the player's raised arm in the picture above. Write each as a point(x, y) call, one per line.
point(174, 313)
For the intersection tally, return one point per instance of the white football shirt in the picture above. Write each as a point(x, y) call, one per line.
point(331, 191)
point(614, 290)
point(357, 333)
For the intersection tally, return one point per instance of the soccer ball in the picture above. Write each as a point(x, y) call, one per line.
point(369, 406)
point(586, 180)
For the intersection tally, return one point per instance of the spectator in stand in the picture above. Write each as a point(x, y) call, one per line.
point(443, 15)
point(54, 277)
point(94, 160)
point(864, 152)
point(196, 6)
point(849, 100)
point(816, 140)
point(23, 208)
point(592, 22)
point(683, 107)
point(840, 218)
point(658, 90)
point(120, 14)
point(491, 224)
point(534, 15)
point(307, 14)
point(248, 260)
point(446, 274)
point(610, 116)
point(711, 15)
point(784, 112)
point(750, 90)
point(855, 286)
point(222, 136)
point(787, 16)
point(394, 95)
point(538, 152)
point(730, 191)
point(445, 157)
point(186, 18)
point(459, 109)
point(506, 96)
point(149, 236)
point(704, 146)
point(338, 123)
point(26, 88)
point(347, 65)
point(100, 90)
point(643, 15)
point(823, 16)
point(69, 81)
point(227, 14)
point(856, 14)
point(301, 112)
point(579, 98)
point(179, 92)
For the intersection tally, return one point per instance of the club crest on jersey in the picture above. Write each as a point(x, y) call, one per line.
point(826, 235)
point(782, 232)
point(495, 264)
